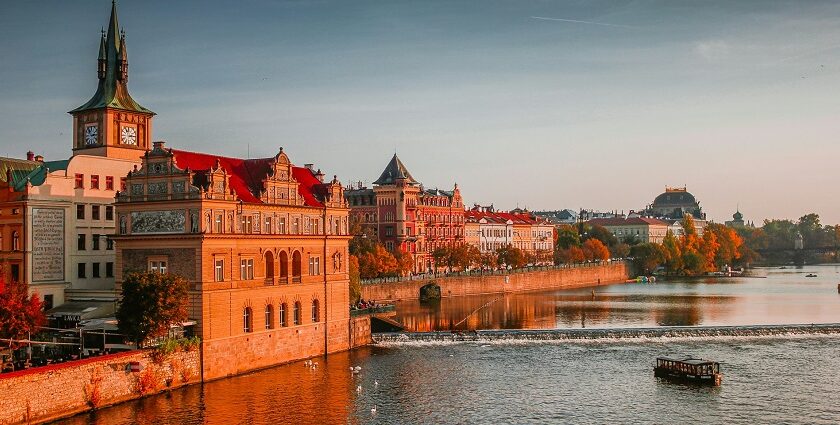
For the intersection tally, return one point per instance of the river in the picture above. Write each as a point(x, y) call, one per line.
point(770, 379)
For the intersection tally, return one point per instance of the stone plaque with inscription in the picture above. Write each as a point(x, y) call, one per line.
point(47, 244)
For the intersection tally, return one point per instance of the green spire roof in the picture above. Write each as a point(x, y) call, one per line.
point(112, 91)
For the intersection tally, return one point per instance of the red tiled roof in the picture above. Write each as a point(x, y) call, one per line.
point(247, 175)
point(501, 217)
point(634, 221)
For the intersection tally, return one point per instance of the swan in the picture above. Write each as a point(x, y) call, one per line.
point(373, 409)
point(358, 368)
point(359, 389)
point(375, 383)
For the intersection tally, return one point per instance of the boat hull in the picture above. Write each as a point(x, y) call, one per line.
point(713, 380)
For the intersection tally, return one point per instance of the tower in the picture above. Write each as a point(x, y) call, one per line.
point(111, 123)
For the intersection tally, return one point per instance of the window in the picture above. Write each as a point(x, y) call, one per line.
point(246, 320)
point(109, 269)
point(109, 213)
point(220, 270)
point(80, 212)
point(109, 243)
point(81, 271)
point(247, 224)
point(282, 314)
point(314, 266)
point(157, 267)
point(296, 226)
point(315, 311)
point(267, 227)
point(296, 313)
point(95, 270)
point(246, 268)
point(15, 241)
point(94, 181)
point(218, 223)
point(15, 272)
point(281, 224)
point(94, 212)
point(269, 317)
point(123, 184)
point(81, 243)
point(80, 181)
point(109, 183)
point(48, 302)
point(316, 225)
point(95, 240)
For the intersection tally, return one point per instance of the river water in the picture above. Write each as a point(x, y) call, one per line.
point(771, 379)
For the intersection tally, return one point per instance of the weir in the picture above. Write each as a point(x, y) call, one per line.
point(608, 333)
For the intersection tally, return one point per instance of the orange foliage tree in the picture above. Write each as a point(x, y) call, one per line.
point(595, 250)
point(20, 313)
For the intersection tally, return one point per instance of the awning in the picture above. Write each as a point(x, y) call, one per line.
point(82, 310)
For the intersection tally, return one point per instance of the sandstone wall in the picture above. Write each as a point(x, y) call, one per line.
point(50, 392)
point(560, 278)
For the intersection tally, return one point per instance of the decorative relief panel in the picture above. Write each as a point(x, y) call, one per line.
point(178, 187)
point(158, 222)
point(157, 188)
point(136, 189)
point(47, 244)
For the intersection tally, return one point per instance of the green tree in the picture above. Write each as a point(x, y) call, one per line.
point(151, 303)
point(567, 236)
point(511, 256)
point(673, 253)
point(647, 257)
point(355, 279)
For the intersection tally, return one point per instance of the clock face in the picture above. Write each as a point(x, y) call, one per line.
point(129, 136)
point(91, 135)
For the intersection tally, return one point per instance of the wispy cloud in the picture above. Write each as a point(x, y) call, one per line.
point(712, 50)
point(576, 21)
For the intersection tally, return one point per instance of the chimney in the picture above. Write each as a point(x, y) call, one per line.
point(310, 167)
point(30, 156)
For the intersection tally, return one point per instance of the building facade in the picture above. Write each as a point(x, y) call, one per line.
point(403, 215)
point(263, 243)
point(490, 231)
point(56, 217)
point(638, 229)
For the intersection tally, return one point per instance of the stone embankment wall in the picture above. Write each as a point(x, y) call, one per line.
point(559, 278)
point(50, 392)
point(360, 331)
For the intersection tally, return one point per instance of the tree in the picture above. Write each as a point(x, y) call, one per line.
point(355, 279)
point(673, 253)
point(367, 266)
point(647, 257)
point(21, 314)
point(570, 256)
point(595, 231)
point(595, 250)
point(405, 262)
point(511, 256)
point(567, 236)
point(443, 257)
point(151, 303)
point(621, 250)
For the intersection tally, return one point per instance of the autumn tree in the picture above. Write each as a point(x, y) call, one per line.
point(151, 303)
point(511, 256)
point(355, 279)
point(443, 257)
point(673, 253)
point(595, 250)
point(405, 262)
point(570, 255)
point(21, 314)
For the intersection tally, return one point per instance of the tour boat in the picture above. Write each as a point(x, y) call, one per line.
point(690, 370)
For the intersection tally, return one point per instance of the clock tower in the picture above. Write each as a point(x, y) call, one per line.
point(111, 123)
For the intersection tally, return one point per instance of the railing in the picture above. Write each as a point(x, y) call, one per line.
point(269, 281)
point(296, 279)
point(371, 310)
point(427, 276)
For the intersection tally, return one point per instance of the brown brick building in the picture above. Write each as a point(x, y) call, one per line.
point(263, 242)
point(406, 216)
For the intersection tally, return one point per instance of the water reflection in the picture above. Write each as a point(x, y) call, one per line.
point(772, 297)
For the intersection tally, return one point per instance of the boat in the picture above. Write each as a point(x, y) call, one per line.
point(688, 370)
point(810, 275)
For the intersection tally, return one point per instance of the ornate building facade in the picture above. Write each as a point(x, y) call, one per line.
point(263, 243)
point(404, 215)
point(491, 230)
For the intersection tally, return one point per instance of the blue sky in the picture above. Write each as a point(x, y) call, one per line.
point(736, 100)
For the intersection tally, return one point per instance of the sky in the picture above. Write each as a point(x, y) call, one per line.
point(529, 103)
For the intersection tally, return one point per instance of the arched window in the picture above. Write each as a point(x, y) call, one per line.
point(247, 320)
point(269, 265)
point(316, 311)
point(284, 264)
point(15, 241)
point(282, 314)
point(296, 313)
point(269, 316)
point(296, 266)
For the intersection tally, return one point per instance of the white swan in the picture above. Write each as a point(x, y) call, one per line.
point(373, 409)
point(359, 389)
point(375, 383)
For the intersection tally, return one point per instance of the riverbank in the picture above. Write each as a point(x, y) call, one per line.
point(51, 392)
point(514, 281)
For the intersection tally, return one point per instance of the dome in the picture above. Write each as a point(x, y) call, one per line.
point(737, 215)
point(674, 197)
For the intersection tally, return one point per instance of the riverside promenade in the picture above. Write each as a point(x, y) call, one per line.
point(520, 280)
